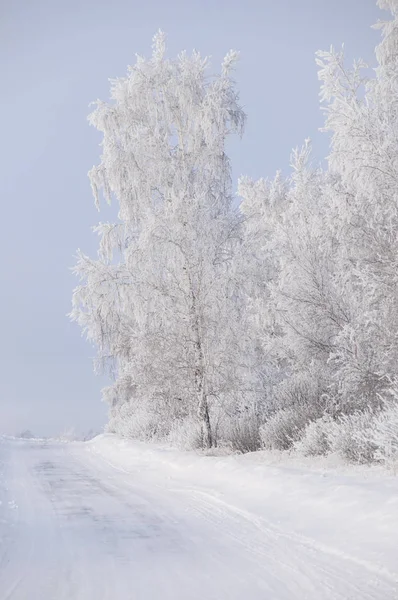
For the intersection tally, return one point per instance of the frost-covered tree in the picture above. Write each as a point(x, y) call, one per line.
point(362, 116)
point(263, 203)
point(296, 295)
point(161, 302)
point(331, 243)
point(274, 323)
point(333, 287)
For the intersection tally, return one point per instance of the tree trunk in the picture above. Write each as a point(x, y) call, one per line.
point(203, 414)
point(200, 381)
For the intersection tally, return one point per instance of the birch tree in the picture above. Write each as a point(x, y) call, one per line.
point(160, 301)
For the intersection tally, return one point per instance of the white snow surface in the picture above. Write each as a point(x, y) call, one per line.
point(113, 519)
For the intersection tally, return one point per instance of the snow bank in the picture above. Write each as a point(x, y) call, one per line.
point(352, 512)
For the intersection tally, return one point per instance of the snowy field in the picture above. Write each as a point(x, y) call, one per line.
point(117, 520)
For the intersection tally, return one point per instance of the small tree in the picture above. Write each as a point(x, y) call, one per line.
point(161, 302)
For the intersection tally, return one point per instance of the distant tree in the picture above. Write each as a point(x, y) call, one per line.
point(26, 434)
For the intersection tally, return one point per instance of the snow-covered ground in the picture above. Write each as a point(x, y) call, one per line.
point(116, 520)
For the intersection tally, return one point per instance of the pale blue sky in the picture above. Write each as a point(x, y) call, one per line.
point(56, 57)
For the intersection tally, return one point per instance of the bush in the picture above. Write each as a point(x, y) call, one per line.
point(315, 440)
point(284, 428)
point(186, 434)
point(362, 437)
point(303, 389)
point(385, 435)
point(299, 400)
point(241, 432)
point(138, 422)
point(352, 437)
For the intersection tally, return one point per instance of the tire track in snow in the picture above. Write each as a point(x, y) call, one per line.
point(296, 551)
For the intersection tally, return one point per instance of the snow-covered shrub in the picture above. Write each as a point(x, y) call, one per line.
point(362, 437)
point(138, 422)
point(302, 389)
point(352, 437)
point(186, 434)
point(297, 401)
point(242, 432)
point(284, 428)
point(315, 441)
point(385, 435)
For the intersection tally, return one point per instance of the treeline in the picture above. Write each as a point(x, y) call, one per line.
point(270, 325)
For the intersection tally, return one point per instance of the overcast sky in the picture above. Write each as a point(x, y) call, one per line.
point(56, 57)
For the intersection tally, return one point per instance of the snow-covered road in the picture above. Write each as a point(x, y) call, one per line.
point(72, 526)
